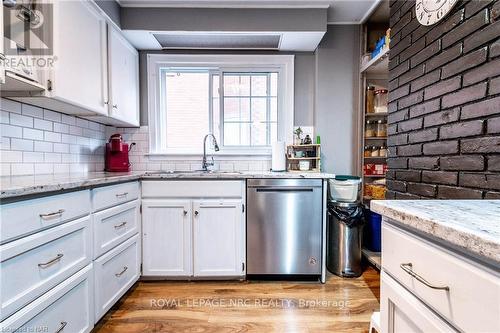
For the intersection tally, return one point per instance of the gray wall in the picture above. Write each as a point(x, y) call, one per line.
point(335, 118)
point(223, 19)
point(304, 85)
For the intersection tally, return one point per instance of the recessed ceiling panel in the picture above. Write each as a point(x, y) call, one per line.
point(227, 41)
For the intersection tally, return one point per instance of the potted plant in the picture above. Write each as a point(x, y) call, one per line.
point(298, 132)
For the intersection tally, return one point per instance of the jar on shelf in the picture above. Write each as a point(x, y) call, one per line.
point(367, 151)
point(383, 151)
point(381, 128)
point(370, 95)
point(380, 101)
point(375, 152)
point(370, 129)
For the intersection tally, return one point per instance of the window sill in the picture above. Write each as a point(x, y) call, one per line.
point(225, 156)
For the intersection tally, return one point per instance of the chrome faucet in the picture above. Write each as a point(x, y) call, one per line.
point(205, 164)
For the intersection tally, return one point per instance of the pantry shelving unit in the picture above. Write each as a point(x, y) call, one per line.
point(373, 72)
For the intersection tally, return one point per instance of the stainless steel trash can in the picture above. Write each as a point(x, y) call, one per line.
point(344, 237)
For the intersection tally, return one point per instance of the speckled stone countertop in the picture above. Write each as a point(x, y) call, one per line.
point(18, 186)
point(470, 225)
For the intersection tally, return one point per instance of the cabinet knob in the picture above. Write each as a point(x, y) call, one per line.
point(185, 212)
point(196, 212)
point(106, 102)
point(115, 106)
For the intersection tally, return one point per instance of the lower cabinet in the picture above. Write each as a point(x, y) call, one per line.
point(218, 238)
point(402, 312)
point(69, 307)
point(167, 229)
point(200, 238)
point(115, 272)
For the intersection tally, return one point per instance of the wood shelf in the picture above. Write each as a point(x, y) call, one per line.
point(377, 65)
point(303, 158)
point(377, 114)
point(305, 146)
point(381, 158)
point(375, 138)
point(374, 176)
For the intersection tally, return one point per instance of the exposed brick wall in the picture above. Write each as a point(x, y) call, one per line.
point(444, 103)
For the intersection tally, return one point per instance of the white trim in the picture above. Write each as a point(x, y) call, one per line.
point(218, 156)
point(370, 11)
point(285, 64)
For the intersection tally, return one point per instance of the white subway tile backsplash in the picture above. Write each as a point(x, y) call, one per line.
point(32, 134)
point(43, 124)
point(33, 157)
point(61, 128)
point(52, 157)
point(7, 156)
point(4, 143)
point(82, 123)
point(51, 115)
point(21, 144)
point(20, 120)
point(11, 131)
point(68, 120)
point(52, 137)
point(44, 168)
point(44, 146)
point(61, 148)
point(4, 117)
point(10, 106)
point(5, 169)
point(32, 111)
point(75, 130)
point(18, 169)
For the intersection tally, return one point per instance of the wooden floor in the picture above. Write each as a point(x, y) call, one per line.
point(340, 305)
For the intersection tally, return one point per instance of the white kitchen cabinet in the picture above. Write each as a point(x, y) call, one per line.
point(218, 238)
point(123, 78)
point(79, 76)
point(167, 230)
point(401, 312)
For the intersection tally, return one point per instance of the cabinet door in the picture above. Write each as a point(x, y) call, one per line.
point(80, 71)
point(218, 237)
point(2, 52)
point(124, 78)
point(166, 226)
point(401, 312)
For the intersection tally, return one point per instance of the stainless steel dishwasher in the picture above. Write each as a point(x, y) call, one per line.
point(284, 226)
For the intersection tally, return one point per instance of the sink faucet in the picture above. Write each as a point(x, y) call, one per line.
point(205, 164)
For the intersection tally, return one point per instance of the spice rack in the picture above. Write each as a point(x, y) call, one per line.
point(306, 153)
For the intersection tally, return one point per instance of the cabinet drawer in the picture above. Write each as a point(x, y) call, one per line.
point(115, 272)
point(34, 264)
point(108, 196)
point(471, 303)
point(114, 225)
point(68, 306)
point(30, 216)
point(193, 188)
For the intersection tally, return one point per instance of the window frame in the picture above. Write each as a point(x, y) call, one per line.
point(283, 64)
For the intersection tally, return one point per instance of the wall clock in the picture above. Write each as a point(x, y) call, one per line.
point(432, 11)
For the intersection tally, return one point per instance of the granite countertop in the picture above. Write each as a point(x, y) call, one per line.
point(17, 186)
point(470, 225)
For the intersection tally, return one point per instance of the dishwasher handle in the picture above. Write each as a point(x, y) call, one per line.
point(284, 189)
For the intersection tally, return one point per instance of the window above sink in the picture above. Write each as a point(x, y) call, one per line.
point(246, 101)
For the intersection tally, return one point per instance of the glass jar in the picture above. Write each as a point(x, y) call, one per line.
point(367, 151)
point(383, 151)
point(380, 101)
point(375, 152)
point(370, 94)
point(370, 129)
point(381, 128)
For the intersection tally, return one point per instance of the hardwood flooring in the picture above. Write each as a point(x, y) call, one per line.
point(340, 305)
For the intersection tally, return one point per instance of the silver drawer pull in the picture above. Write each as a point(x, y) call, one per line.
point(118, 226)
point(121, 273)
point(52, 261)
point(121, 195)
point(63, 325)
point(53, 214)
point(408, 268)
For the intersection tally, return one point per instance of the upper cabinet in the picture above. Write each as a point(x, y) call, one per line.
point(123, 78)
point(95, 70)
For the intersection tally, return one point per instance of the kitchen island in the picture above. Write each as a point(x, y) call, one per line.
point(440, 265)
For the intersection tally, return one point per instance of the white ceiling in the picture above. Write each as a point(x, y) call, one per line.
point(339, 11)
